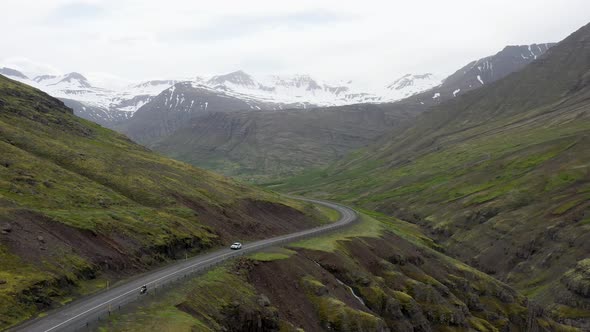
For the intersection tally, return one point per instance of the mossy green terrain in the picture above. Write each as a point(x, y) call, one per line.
point(80, 202)
point(389, 279)
point(499, 177)
point(272, 254)
point(331, 214)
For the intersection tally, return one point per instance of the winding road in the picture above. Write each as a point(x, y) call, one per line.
point(87, 311)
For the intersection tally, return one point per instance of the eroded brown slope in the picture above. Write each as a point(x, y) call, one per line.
point(388, 279)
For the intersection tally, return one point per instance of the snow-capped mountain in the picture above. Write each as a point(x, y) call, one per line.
point(239, 91)
point(135, 96)
point(483, 71)
point(273, 92)
point(14, 74)
point(97, 104)
point(69, 86)
point(109, 106)
point(175, 106)
point(290, 89)
point(409, 85)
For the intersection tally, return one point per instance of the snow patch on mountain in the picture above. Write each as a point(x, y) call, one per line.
point(108, 106)
point(409, 85)
point(485, 71)
point(288, 89)
point(308, 91)
point(13, 73)
point(479, 79)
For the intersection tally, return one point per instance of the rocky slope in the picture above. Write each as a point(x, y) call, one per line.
point(409, 85)
point(262, 146)
point(383, 275)
point(499, 176)
point(81, 204)
point(478, 73)
point(174, 107)
point(239, 91)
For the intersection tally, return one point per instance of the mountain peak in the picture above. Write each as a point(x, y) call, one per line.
point(409, 80)
point(76, 78)
point(238, 77)
point(296, 81)
point(12, 72)
point(532, 51)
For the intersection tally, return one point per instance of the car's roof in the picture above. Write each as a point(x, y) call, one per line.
point(237, 243)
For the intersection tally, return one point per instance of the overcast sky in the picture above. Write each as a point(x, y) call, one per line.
point(366, 41)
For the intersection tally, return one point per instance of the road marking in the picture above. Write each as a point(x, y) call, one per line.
point(135, 289)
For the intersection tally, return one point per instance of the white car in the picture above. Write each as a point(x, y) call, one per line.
point(236, 246)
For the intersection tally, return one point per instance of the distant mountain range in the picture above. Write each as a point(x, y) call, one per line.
point(151, 111)
point(97, 104)
point(260, 146)
point(107, 107)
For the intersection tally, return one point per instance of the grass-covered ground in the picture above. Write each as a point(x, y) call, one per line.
point(79, 202)
point(388, 276)
point(272, 254)
point(500, 177)
point(513, 202)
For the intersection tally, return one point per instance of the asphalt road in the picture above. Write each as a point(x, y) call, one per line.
point(76, 315)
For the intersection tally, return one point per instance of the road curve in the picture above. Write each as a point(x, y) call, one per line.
point(86, 311)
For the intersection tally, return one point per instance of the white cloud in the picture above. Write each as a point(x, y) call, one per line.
point(369, 41)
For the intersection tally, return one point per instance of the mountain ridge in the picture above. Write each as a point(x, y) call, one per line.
point(272, 157)
point(498, 176)
point(111, 107)
point(479, 72)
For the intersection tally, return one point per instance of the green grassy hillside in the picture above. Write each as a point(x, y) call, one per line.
point(500, 176)
point(381, 275)
point(79, 203)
